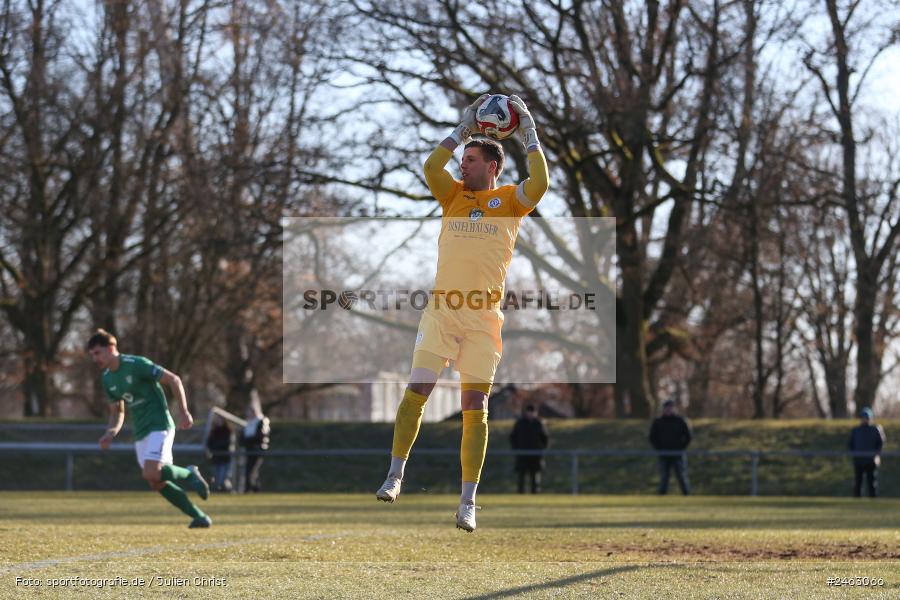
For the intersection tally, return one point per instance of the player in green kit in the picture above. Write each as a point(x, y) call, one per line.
point(134, 382)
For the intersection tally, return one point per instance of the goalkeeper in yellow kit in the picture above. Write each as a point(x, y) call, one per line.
point(462, 322)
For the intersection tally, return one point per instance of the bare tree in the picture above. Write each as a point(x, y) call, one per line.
point(250, 146)
point(826, 260)
point(53, 150)
point(873, 219)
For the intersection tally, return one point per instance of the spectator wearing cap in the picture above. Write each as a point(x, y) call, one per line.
point(529, 433)
point(670, 435)
point(869, 438)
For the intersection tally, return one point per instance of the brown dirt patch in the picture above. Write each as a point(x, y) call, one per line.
point(668, 549)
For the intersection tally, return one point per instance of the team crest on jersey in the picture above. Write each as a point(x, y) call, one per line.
point(494, 203)
point(475, 214)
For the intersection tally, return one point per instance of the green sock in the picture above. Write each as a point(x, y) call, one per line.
point(174, 473)
point(177, 497)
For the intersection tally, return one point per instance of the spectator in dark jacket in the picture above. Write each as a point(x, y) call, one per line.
point(671, 433)
point(866, 437)
point(529, 434)
point(255, 439)
point(218, 448)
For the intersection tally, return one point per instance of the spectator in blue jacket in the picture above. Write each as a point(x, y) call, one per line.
point(866, 437)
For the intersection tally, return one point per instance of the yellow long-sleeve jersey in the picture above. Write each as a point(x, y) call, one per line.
point(478, 231)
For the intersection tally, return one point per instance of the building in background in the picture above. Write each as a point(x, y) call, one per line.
point(374, 401)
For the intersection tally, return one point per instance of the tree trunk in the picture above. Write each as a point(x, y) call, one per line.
point(868, 361)
point(37, 388)
point(620, 407)
point(631, 366)
point(698, 389)
point(239, 371)
point(813, 386)
point(836, 380)
point(759, 385)
point(780, 338)
point(631, 346)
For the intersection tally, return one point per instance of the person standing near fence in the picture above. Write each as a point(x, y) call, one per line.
point(866, 437)
point(255, 439)
point(218, 448)
point(133, 382)
point(670, 432)
point(529, 433)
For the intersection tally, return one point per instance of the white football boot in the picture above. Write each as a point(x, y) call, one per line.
point(465, 517)
point(390, 489)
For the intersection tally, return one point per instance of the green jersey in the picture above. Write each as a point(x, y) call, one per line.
point(136, 382)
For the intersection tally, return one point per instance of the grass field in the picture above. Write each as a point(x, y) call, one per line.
point(350, 546)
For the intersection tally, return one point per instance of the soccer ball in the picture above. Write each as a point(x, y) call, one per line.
point(496, 117)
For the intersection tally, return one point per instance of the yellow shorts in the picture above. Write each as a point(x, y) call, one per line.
point(473, 344)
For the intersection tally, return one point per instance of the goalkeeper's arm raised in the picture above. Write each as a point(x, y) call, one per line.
point(530, 191)
point(439, 181)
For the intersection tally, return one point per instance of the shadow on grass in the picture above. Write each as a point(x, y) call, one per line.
point(559, 583)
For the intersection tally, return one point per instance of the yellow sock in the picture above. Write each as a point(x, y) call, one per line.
point(474, 444)
point(406, 428)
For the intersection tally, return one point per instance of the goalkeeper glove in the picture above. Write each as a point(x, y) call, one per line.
point(463, 131)
point(526, 131)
